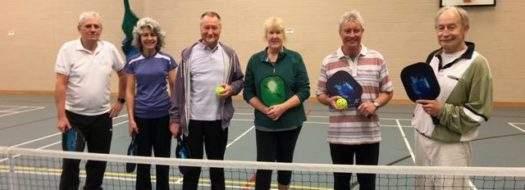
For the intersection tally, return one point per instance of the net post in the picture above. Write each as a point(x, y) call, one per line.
point(12, 171)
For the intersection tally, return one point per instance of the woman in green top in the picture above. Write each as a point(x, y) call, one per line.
point(276, 85)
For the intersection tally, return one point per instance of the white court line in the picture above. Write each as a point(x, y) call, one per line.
point(13, 108)
point(52, 144)
point(61, 133)
point(39, 148)
point(406, 141)
point(515, 126)
point(8, 106)
point(38, 139)
point(227, 146)
point(242, 120)
point(326, 116)
point(57, 142)
point(240, 136)
point(120, 123)
point(58, 133)
point(472, 186)
point(123, 115)
point(17, 112)
point(27, 142)
point(380, 118)
point(319, 123)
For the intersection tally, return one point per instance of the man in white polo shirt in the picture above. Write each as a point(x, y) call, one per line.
point(82, 94)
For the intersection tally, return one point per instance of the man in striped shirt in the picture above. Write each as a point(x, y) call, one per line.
point(355, 131)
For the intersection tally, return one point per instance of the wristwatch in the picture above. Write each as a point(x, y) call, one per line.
point(376, 104)
point(121, 100)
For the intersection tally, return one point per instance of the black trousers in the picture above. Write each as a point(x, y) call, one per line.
point(365, 154)
point(97, 131)
point(214, 138)
point(154, 135)
point(275, 147)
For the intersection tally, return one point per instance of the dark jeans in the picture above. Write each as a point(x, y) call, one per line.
point(365, 154)
point(214, 138)
point(275, 147)
point(154, 135)
point(97, 131)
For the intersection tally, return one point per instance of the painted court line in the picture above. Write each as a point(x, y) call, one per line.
point(30, 108)
point(59, 133)
point(49, 136)
point(406, 141)
point(8, 106)
point(12, 108)
point(35, 140)
point(16, 108)
point(240, 136)
point(326, 116)
point(472, 186)
point(515, 125)
point(325, 123)
point(39, 148)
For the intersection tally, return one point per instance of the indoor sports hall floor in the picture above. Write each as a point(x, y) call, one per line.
point(28, 121)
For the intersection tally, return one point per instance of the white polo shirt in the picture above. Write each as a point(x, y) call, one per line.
point(88, 89)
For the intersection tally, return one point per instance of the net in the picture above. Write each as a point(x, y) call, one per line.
point(40, 169)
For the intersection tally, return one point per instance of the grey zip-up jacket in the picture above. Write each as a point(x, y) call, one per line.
point(181, 97)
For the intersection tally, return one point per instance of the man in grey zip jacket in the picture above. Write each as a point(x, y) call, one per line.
point(198, 110)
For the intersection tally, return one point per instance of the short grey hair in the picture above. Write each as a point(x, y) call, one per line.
point(353, 16)
point(211, 14)
point(154, 26)
point(88, 15)
point(465, 21)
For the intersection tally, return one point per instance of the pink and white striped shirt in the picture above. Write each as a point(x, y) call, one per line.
point(369, 69)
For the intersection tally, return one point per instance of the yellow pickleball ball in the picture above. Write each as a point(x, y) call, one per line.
point(341, 103)
point(219, 90)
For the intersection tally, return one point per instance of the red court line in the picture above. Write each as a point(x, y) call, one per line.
point(250, 183)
